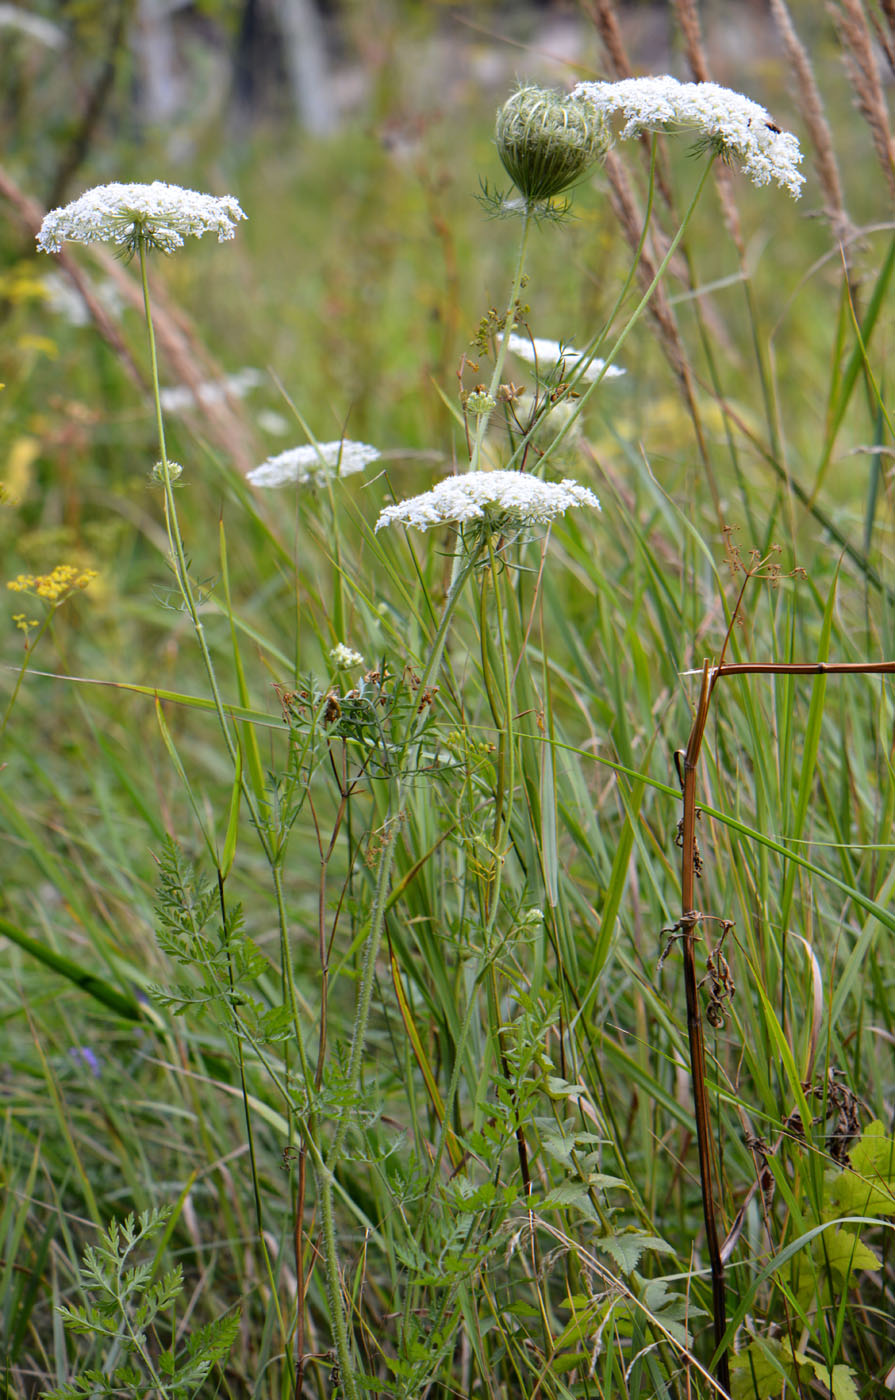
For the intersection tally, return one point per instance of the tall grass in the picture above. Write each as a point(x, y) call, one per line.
point(345, 1003)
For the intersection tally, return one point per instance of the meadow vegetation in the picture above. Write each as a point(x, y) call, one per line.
point(378, 1019)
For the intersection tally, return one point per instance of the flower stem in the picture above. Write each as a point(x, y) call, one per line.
point(635, 317)
point(175, 539)
point(502, 346)
point(29, 648)
point(325, 1170)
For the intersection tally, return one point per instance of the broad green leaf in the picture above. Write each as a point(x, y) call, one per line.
point(869, 1187)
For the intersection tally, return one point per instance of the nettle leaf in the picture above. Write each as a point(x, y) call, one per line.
point(568, 1193)
point(869, 1187)
point(626, 1248)
point(562, 1146)
point(673, 1310)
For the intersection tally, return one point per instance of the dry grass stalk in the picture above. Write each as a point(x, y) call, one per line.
point(886, 40)
point(812, 111)
point(605, 18)
point(625, 207)
point(857, 43)
point(688, 19)
point(30, 217)
point(630, 216)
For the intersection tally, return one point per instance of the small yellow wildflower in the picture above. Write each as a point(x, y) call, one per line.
point(54, 587)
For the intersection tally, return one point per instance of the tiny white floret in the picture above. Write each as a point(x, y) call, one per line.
point(504, 499)
point(344, 656)
point(313, 463)
point(157, 215)
point(734, 124)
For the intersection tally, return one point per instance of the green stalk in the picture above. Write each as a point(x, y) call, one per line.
point(502, 347)
point(638, 312)
point(325, 1170)
point(29, 648)
point(181, 568)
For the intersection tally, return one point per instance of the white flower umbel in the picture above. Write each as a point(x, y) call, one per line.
point(505, 500)
point(313, 463)
point(344, 657)
point(179, 399)
point(545, 355)
point(735, 126)
point(154, 216)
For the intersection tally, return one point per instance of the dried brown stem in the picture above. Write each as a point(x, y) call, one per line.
point(860, 62)
point(689, 922)
point(811, 107)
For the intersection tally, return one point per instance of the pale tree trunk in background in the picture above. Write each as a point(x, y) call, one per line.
point(156, 54)
point(305, 56)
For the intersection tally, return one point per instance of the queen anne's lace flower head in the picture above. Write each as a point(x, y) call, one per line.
point(313, 463)
point(545, 355)
point(505, 500)
point(157, 215)
point(734, 125)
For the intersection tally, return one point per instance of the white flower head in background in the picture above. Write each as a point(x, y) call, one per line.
point(344, 657)
point(269, 421)
point(733, 125)
point(179, 399)
point(41, 30)
point(545, 355)
point(64, 299)
point(503, 500)
point(154, 216)
point(314, 463)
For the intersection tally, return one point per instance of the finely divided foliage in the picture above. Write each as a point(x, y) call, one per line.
point(734, 125)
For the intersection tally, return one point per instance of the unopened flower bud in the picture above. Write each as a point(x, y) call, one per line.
point(479, 401)
point(157, 475)
point(546, 142)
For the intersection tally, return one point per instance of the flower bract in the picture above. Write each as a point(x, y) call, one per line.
point(503, 499)
point(313, 463)
point(734, 125)
point(157, 216)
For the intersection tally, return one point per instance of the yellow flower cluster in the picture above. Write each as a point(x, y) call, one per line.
point(55, 587)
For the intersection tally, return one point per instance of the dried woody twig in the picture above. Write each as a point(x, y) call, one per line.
point(687, 931)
